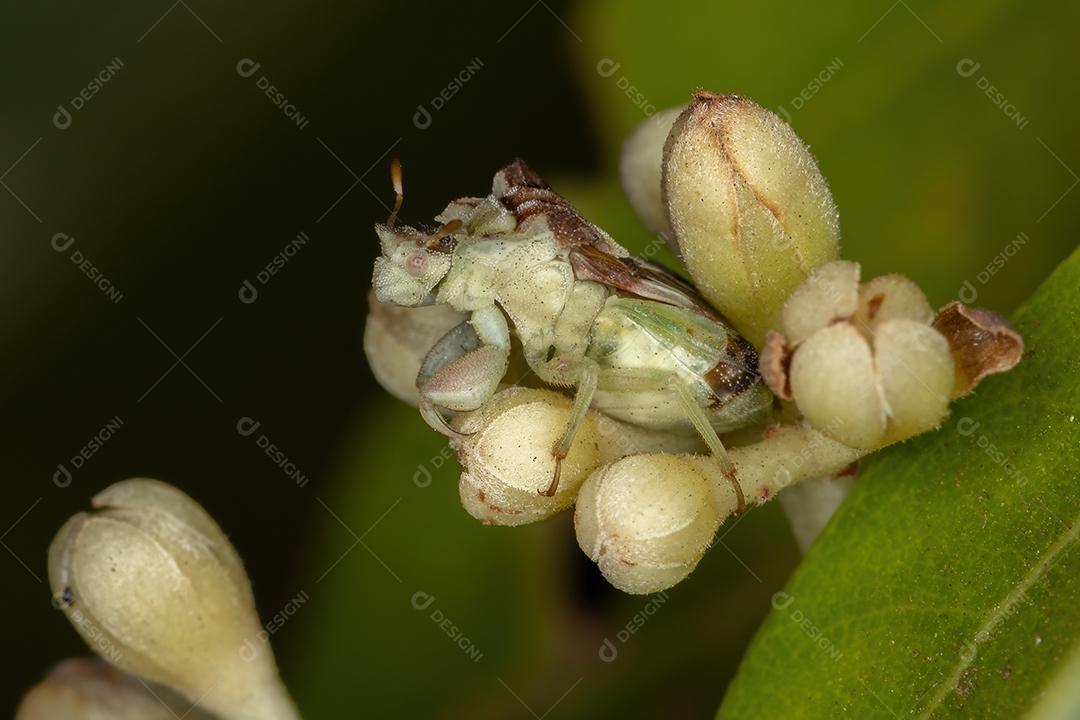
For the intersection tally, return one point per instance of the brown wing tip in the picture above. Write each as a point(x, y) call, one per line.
point(518, 174)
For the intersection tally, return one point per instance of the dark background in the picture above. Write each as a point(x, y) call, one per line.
point(179, 179)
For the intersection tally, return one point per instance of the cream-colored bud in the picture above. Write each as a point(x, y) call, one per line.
point(917, 375)
point(830, 292)
point(397, 338)
point(640, 168)
point(153, 585)
point(646, 520)
point(890, 297)
point(750, 211)
point(91, 689)
point(835, 384)
point(863, 364)
point(507, 461)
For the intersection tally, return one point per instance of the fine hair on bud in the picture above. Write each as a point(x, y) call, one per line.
point(641, 165)
point(750, 211)
point(646, 520)
point(152, 584)
point(507, 461)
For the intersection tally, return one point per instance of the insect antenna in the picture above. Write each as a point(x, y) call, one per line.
point(399, 191)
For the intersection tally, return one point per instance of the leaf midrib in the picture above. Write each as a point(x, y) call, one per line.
point(1001, 612)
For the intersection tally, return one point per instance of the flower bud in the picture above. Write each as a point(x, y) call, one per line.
point(751, 213)
point(829, 292)
point(91, 689)
point(397, 338)
point(507, 460)
point(863, 364)
point(641, 164)
point(151, 583)
point(646, 520)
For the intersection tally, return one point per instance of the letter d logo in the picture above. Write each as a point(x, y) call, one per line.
point(61, 118)
point(248, 294)
point(62, 477)
point(421, 118)
point(246, 426)
point(247, 67)
point(967, 67)
point(422, 600)
point(61, 241)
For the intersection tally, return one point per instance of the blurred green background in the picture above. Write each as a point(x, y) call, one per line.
point(945, 129)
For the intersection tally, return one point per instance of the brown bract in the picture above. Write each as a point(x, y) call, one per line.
point(775, 363)
point(982, 343)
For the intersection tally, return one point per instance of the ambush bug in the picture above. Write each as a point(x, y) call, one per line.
point(630, 338)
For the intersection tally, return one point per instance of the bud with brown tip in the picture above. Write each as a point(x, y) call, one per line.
point(751, 213)
point(152, 584)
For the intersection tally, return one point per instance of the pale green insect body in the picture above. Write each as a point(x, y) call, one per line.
point(632, 339)
point(640, 344)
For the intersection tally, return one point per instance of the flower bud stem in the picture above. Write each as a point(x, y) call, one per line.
point(787, 454)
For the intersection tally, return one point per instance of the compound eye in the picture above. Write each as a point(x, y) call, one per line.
point(417, 263)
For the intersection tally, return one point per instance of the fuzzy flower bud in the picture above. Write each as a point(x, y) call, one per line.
point(397, 338)
point(507, 461)
point(91, 689)
point(641, 164)
point(862, 363)
point(646, 520)
point(151, 583)
point(750, 211)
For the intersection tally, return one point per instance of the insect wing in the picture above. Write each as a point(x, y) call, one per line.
point(639, 278)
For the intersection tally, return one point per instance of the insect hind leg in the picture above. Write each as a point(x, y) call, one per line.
point(697, 417)
point(583, 395)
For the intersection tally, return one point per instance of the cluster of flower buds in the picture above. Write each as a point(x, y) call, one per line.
point(872, 364)
point(855, 366)
point(863, 363)
point(154, 586)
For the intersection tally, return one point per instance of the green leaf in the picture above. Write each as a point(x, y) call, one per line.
point(948, 585)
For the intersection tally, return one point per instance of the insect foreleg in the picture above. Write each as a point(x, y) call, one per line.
point(463, 370)
point(586, 388)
